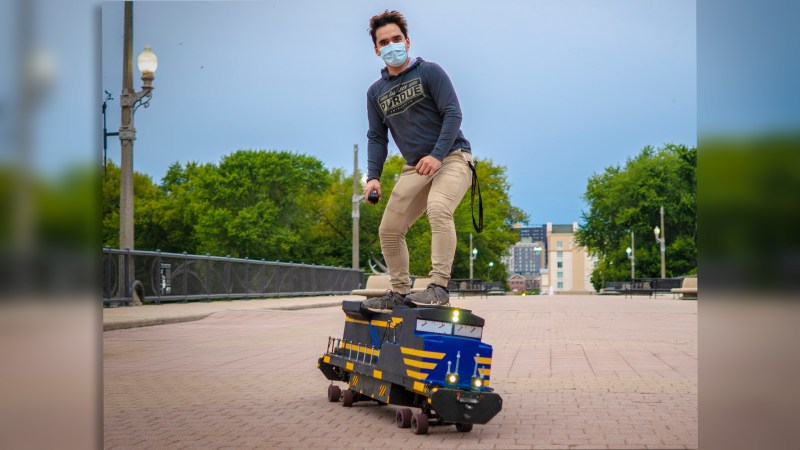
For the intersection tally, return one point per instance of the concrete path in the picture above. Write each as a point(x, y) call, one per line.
point(147, 315)
point(574, 372)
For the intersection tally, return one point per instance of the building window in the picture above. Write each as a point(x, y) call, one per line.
point(560, 285)
point(559, 244)
point(560, 275)
point(560, 264)
point(559, 254)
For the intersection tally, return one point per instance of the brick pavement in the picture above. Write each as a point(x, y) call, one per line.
point(574, 372)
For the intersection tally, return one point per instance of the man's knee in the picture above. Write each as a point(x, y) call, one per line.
point(439, 211)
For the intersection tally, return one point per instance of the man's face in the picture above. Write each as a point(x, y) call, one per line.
point(388, 34)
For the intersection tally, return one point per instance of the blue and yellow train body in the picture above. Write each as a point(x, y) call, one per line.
point(428, 358)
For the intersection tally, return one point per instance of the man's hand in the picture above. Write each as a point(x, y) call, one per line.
point(372, 185)
point(428, 165)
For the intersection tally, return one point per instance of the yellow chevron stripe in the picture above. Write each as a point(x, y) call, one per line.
point(377, 374)
point(377, 323)
point(419, 364)
point(349, 319)
point(420, 387)
point(417, 375)
point(485, 372)
point(483, 360)
point(348, 366)
point(421, 353)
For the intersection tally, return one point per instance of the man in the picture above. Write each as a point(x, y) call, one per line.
point(415, 100)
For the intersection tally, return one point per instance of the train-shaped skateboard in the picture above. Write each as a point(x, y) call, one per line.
point(430, 358)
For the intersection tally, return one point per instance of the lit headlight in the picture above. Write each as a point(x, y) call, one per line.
point(452, 378)
point(477, 382)
point(456, 314)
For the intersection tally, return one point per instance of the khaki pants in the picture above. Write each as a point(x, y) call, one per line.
point(414, 194)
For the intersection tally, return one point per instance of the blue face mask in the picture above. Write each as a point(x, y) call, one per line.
point(394, 54)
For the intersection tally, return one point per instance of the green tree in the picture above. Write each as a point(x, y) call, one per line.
point(259, 204)
point(628, 198)
point(279, 205)
point(146, 201)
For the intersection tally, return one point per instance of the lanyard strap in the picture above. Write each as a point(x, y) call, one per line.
point(475, 185)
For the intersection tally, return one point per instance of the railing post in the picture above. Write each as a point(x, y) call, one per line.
point(208, 277)
point(247, 278)
point(228, 285)
point(127, 285)
point(160, 287)
point(185, 277)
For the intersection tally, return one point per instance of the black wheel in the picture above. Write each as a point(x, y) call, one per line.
point(403, 418)
point(348, 397)
point(464, 427)
point(419, 423)
point(334, 393)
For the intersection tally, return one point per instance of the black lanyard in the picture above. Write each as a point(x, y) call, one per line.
point(479, 224)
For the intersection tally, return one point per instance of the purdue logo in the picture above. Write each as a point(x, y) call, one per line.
point(401, 97)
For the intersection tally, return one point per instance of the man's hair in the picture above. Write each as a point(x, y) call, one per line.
point(385, 18)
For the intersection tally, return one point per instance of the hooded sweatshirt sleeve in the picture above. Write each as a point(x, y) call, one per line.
point(444, 95)
point(377, 139)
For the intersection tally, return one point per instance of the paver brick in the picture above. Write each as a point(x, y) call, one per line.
point(573, 371)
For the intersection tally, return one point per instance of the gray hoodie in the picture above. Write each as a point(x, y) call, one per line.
point(420, 107)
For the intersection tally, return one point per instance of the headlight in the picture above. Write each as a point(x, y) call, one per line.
point(477, 382)
point(452, 378)
point(456, 315)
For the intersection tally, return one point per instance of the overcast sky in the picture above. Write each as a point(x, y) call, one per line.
point(553, 90)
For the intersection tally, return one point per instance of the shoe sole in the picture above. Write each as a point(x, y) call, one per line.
point(375, 310)
point(413, 304)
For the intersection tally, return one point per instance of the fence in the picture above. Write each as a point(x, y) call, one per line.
point(159, 277)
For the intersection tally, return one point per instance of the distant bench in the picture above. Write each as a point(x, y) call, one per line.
point(495, 288)
point(466, 286)
point(652, 286)
point(613, 288)
point(688, 289)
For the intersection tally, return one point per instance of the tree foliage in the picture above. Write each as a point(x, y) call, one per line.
point(627, 199)
point(279, 205)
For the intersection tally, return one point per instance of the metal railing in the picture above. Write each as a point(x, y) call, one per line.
point(158, 277)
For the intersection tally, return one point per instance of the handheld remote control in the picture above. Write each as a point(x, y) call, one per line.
point(373, 197)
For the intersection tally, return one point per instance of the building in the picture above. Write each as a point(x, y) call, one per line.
point(570, 266)
point(519, 283)
point(527, 258)
point(529, 255)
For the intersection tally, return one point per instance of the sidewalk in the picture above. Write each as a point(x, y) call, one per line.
point(147, 315)
point(573, 371)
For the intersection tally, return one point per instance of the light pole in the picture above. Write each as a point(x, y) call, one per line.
point(356, 208)
point(631, 255)
point(130, 100)
point(659, 232)
point(473, 253)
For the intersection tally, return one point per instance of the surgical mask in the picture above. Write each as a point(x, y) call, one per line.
point(394, 54)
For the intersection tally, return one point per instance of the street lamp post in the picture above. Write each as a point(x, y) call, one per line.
point(356, 207)
point(659, 232)
point(130, 100)
point(631, 255)
point(473, 253)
